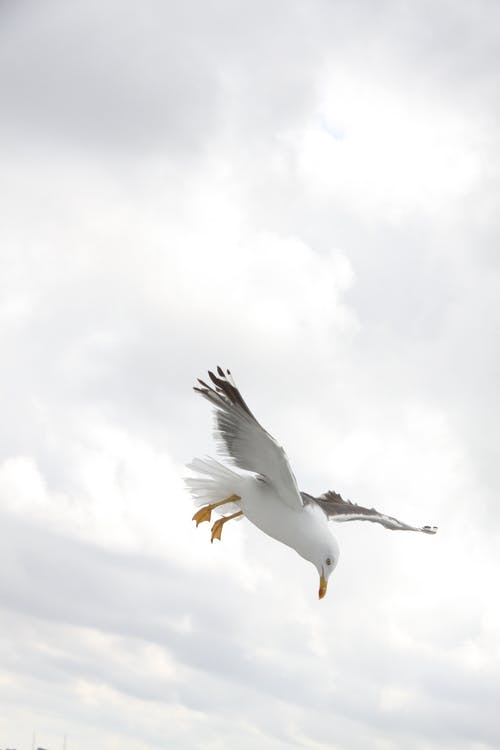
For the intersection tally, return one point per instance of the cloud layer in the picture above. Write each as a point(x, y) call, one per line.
point(306, 193)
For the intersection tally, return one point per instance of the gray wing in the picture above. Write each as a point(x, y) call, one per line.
point(338, 509)
point(244, 442)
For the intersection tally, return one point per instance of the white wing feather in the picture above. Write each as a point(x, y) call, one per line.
point(244, 442)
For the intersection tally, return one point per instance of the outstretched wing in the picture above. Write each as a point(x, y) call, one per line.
point(338, 509)
point(243, 441)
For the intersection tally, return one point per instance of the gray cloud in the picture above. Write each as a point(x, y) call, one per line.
point(155, 77)
point(69, 587)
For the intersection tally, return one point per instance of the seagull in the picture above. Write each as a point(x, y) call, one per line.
point(256, 482)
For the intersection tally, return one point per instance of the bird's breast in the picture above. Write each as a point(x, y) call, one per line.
point(270, 514)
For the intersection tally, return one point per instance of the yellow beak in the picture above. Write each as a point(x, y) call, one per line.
point(323, 585)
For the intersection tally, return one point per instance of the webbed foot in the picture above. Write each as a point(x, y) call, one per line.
point(204, 514)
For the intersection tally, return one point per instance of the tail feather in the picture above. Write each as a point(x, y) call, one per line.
point(213, 482)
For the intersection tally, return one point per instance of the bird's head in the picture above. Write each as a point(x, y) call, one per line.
point(325, 561)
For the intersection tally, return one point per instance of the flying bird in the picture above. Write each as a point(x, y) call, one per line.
point(259, 484)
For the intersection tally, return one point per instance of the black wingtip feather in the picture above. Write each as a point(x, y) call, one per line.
point(224, 390)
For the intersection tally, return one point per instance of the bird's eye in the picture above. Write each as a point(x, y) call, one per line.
point(328, 561)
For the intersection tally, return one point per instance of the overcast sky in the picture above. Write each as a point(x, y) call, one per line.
point(306, 192)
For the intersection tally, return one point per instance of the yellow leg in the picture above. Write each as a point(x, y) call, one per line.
point(217, 527)
point(205, 513)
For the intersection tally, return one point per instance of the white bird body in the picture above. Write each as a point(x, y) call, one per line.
point(304, 528)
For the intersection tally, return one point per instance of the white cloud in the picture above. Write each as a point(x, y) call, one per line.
point(378, 150)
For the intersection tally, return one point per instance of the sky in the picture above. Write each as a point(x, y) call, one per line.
point(308, 194)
